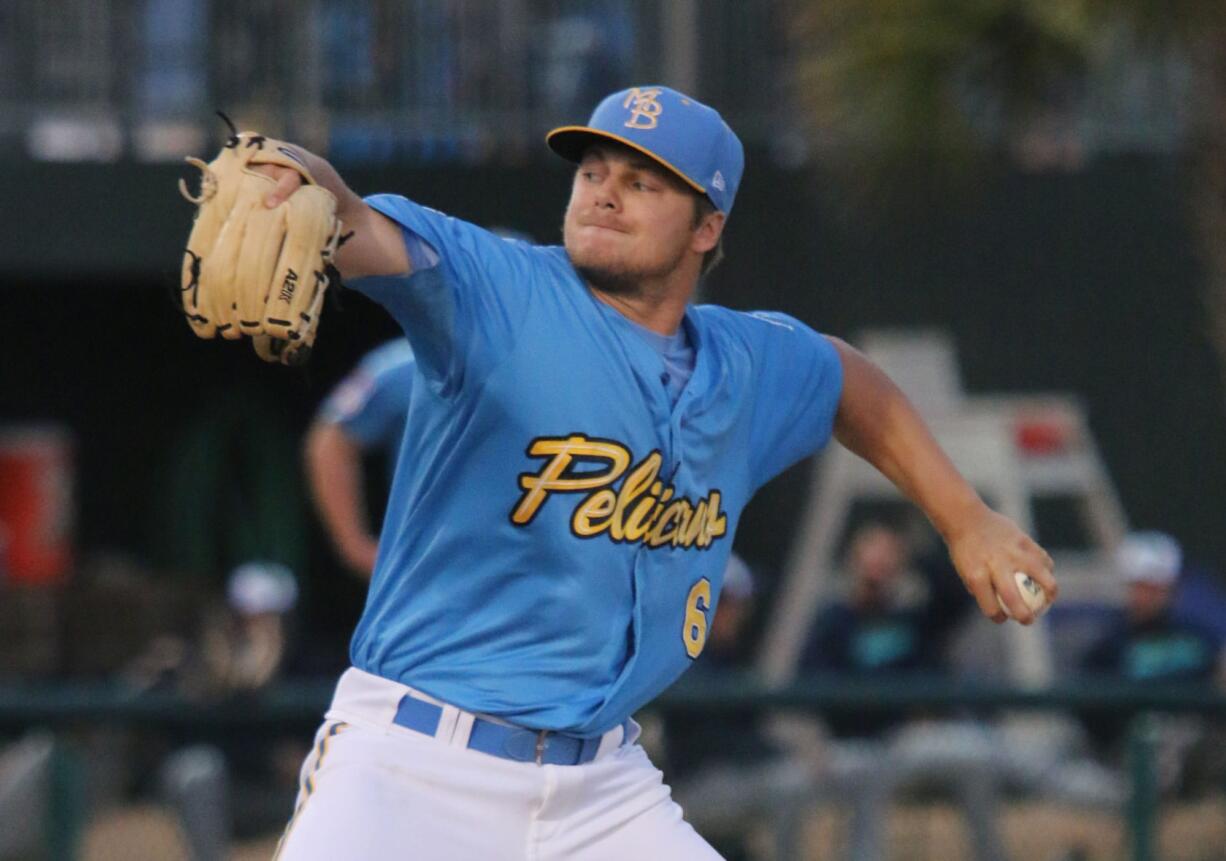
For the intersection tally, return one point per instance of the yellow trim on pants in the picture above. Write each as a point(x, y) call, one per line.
point(307, 786)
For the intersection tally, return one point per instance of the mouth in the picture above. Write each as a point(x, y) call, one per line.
point(607, 227)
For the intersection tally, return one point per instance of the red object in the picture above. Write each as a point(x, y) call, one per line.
point(1042, 436)
point(36, 504)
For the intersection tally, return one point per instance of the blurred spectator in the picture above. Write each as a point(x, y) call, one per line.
point(365, 413)
point(726, 773)
point(1149, 643)
point(237, 645)
point(243, 649)
point(895, 619)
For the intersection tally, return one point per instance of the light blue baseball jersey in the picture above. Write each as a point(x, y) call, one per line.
point(558, 528)
point(371, 403)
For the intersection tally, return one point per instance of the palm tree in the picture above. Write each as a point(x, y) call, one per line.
point(888, 80)
point(884, 82)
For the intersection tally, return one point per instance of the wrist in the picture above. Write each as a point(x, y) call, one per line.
point(350, 208)
point(959, 515)
point(348, 202)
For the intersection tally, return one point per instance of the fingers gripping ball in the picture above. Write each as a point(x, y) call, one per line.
point(250, 270)
point(1032, 593)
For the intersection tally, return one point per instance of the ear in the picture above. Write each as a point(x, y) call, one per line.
point(706, 234)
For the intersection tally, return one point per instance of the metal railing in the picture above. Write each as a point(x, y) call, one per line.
point(67, 708)
point(427, 80)
point(306, 701)
point(366, 79)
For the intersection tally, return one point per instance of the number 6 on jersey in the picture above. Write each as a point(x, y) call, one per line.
point(694, 633)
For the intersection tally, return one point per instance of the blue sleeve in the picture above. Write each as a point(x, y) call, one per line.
point(463, 310)
point(799, 382)
point(372, 403)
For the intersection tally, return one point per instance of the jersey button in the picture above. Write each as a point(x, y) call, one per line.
point(664, 378)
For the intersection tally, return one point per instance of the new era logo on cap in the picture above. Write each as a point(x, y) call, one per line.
point(684, 135)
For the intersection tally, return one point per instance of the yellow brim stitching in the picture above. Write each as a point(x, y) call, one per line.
point(633, 146)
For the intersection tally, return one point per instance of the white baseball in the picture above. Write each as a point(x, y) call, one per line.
point(1032, 594)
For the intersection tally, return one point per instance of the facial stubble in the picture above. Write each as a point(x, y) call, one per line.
point(623, 281)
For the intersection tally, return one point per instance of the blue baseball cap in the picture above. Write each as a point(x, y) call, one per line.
point(682, 134)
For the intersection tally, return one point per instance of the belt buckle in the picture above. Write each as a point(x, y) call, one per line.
point(541, 743)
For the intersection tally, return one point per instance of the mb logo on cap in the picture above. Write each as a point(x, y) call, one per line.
point(644, 109)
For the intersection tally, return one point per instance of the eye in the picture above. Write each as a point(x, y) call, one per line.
point(642, 185)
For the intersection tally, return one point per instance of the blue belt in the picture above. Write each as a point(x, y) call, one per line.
point(544, 747)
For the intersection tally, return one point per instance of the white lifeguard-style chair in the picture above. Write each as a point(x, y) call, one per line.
point(1013, 449)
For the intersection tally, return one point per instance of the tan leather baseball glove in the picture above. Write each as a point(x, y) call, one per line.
point(250, 270)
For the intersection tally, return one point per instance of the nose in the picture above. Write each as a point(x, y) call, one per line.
point(605, 197)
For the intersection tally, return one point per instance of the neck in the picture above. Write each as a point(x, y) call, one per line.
point(658, 305)
point(662, 315)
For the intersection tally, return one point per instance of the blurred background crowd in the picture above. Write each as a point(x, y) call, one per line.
point(1017, 208)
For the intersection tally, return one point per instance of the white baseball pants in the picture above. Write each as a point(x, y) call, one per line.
point(372, 789)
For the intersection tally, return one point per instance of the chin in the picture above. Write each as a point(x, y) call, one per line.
point(588, 257)
point(592, 249)
point(584, 256)
point(613, 280)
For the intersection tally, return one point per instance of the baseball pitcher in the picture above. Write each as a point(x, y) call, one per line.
point(581, 444)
